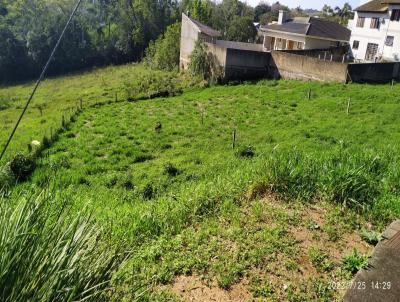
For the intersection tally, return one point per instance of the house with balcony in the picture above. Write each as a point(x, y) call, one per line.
point(375, 31)
point(303, 33)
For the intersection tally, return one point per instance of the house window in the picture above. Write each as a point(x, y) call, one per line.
point(374, 22)
point(360, 21)
point(395, 15)
point(300, 45)
point(372, 50)
point(356, 44)
point(389, 41)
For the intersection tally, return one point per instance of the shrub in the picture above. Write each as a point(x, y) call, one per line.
point(47, 258)
point(164, 52)
point(199, 63)
point(22, 166)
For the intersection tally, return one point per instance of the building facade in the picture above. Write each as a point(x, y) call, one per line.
point(302, 33)
point(375, 31)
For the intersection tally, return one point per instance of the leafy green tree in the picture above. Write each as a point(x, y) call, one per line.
point(164, 52)
point(261, 9)
point(199, 63)
point(242, 29)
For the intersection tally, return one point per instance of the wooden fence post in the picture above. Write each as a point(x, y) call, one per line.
point(234, 139)
point(81, 104)
point(309, 94)
point(348, 105)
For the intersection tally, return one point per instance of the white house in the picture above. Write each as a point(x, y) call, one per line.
point(303, 33)
point(375, 32)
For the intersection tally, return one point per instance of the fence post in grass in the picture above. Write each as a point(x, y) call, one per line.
point(309, 94)
point(392, 83)
point(348, 105)
point(81, 103)
point(234, 139)
point(331, 57)
point(116, 96)
point(324, 55)
point(202, 117)
point(344, 57)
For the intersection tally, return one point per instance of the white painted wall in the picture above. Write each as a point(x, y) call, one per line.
point(309, 42)
point(367, 35)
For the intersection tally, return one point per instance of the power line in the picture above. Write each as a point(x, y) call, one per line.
point(40, 78)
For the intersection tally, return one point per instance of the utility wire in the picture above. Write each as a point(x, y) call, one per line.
point(78, 3)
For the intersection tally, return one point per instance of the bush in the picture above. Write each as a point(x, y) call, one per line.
point(22, 167)
point(199, 63)
point(47, 258)
point(164, 52)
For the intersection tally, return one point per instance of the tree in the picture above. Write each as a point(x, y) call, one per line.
point(261, 9)
point(199, 64)
point(164, 52)
point(344, 13)
point(327, 10)
point(242, 29)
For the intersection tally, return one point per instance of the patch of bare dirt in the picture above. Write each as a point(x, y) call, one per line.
point(194, 289)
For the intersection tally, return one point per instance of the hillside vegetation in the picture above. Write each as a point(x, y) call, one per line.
point(277, 214)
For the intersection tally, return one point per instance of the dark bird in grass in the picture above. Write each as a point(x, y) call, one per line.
point(158, 127)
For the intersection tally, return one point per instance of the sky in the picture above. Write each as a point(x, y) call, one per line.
point(318, 4)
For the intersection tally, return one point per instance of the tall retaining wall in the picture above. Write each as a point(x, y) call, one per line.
point(292, 66)
point(374, 72)
point(246, 64)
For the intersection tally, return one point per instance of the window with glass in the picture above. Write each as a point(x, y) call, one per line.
point(395, 15)
point(375, 23)
point(389, 41)
point(356, 44)
point(360, 21)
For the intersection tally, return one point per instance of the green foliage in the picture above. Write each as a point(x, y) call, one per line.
point(241, 29)
point(354, 262)
point(371, 237)
point(22, 167)
point(47, 258)
point(164, 52)
point(320, 260)
point(199, 63)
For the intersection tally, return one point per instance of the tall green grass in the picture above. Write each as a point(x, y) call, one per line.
point(46, 257)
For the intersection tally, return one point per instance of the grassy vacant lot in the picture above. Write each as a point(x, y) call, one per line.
point(276, 218)
point(58, 97)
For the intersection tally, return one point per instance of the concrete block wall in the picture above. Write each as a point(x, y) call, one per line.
point(292, 66)
point(374, 72)
point(189, 36)
point(245, 64)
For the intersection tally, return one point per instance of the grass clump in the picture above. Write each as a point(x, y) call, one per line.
point(371, 237)
point(46, 258)
point(354, 262)
point(320, 260)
